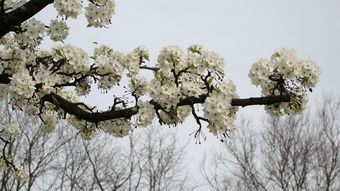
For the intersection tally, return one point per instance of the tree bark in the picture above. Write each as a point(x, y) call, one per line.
point(9, 21)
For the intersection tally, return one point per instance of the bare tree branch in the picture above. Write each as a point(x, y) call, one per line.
point(298, 152)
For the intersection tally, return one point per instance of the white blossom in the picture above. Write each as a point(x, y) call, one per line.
point(175, 116)
point(116, 127)
point(10, 5)
point(139, 85)
point(58, 30)
point(100, 13)
point(88, 132)
point(71, 96)
point(109, 65)
point(167, 95)
point(212, 61)
point(87, 129)
point(32, 30)
point(46, 80)
point(3, 91)
point(22, 85)
point(49, 121)
point(218, 109)
point(146, 114)
point(3, 165)
point(12, 131)
point(285, 74)
point(76, 59)
point(68, 8)
point(21, 172)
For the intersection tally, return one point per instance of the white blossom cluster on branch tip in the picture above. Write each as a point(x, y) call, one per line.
point(285, 74)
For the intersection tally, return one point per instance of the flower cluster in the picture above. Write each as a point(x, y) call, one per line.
point(31, 108)
point(99, 12)
point(117, 127)
point(22, 85)
point(12, 131)
point(218, 109)
point(205, 60)
point(3, 165)
point(69, 95)
point(58, 30)
point(175, 116)
point(285, 74)
point(145, 114)
point(199, 72)
point(10, 5)
point(109, 66)
point(49, 118)
point(3, 91)
point(171, 59)
point(167, 95)
point(68, 8)
point(87, 129)
point(213, 61)
point(21, 172)
point(134, 59)
point(192, 89)
point(45, 80)
point(139, 86)
point(103, 64)
point(88, 132)
point(76, 59)
point(20, 58)
point(32, 30)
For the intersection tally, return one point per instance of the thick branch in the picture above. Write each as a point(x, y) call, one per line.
point(74, 109)
point(4, 78)
point(155, 69)
point(8, 21)
point(95, 117)
point(269, 100)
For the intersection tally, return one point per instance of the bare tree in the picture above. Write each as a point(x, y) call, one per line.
point(151, 161)
point(62, 160)
point(163, 166)
point(298, 152)
point(33, 148)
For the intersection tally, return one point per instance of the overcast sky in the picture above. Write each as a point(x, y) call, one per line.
point(241, 31)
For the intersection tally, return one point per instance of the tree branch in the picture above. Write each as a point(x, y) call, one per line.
point(72, 108)
point(5, 78)
point(155, 69)
point(96, 117)
point(8, 21)
point(268, 100)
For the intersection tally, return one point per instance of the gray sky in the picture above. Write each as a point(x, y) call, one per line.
point(241, 31)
